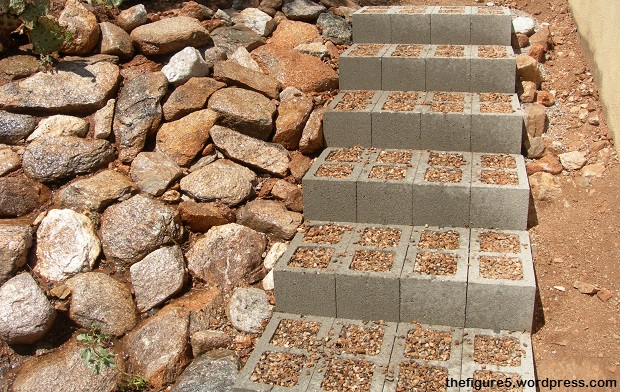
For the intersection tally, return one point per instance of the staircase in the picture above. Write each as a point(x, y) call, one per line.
point(415, 271)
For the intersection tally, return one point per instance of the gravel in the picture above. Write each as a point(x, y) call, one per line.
point(275, 368)
point(325, 234)
point(434, 174)
point(355, 100)
point(394, 173)
point(495, 97)
point(447, 107)
point(499, 161)
point(499, 177)
point(400, 101)
point(366, 50)
point(372, 260)
point(451, 10)
point(501, 268)
point(311, 258)
point(376, 10)
point(334, 171)
point(504, 351)
point(351, 154)
point(401, 157)
point(297, 334)
point(446, 159)
point(348, 375)
point(428, 344)
point(414, 377)
point(413, 10)
point(449, 97)
point(492, 51)
point(485, 376)
point(407, 51)
point(433, 263)
point(449, 53)
point(439, 239)
point(505, 108)
point(355, 339)
point(380, 237)
point(492, 241)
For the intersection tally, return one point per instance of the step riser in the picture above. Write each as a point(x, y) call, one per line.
point(421, 128)
point(414, 200)
point(472, 26)
point(430, 71)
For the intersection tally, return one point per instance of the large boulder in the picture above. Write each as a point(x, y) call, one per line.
point(221, 180)
point(134, 228)
point(19, 196)
point(66, 245)
point(83, 27)
point(100, 300)
point(226, 255)
point(169, 35)
point(183, 139)
point(15, 242)
point(54, 158)
point(25, 312)
point(271, 217)
point(97, 192)
point(90, 81)
point(189, 97)
point(245, 111)
point(292, 116)
point(138, 112)
point(238, 75)
point(290, 34)
point(15, 127)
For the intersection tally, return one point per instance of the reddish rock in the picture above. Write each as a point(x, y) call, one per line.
point(195, 10)
point(522, 40)
point(529, 92)
point(545, 98)
point(299, 165)
point(535, 119)
point(312, 136)
point(290, 194)
point(292, 68)
point(549, 164)
point(292, 116)
point(19, 196)
point(270, 217)
point(189, 97)
point(83, 27)
point(137, 66)
point(201, 217)
point(169, 35)
point(545, 186)
point(232, 73)
point(543, 37)
point(537, 52)
point(291, 33)
point(527, 69)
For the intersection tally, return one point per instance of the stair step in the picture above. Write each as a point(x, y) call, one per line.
point(433, 25)
point(474, 68)
point(483, 122)
point(306, 353)
point(413, 187)
point(449, 276)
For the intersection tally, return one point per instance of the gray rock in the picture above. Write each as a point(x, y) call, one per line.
point(169, 35)
point(97, 192)
point(523, 25)
point(271, 217)
point(153, 172)
point(9, 161)
point(15, 127)
point(221, 180)
point(138, 112)
point(65, 370)
point(25, 313)
point(184, 65)
point(256, 20)
point(159, 349)
point(66, 245)
point(134, 228)
point(215, 371)
point(214, 54)
point(91, 81)
point(267, 157)
point(230, 38)
point(60, 125)
point(99, 300)
point(15, 242)
point(54, 158)
point(302, 10)
point(18, 196)
point(242, 57)
point(103, 119)
point(238, 75)
point(190, 97)
point(244, 111)
point(115, 41)
point(132, 17)
point(206, 340)
point(334, 28)
point(158, 276)
point(248, 308)
point(82, 25)
point(226, 255)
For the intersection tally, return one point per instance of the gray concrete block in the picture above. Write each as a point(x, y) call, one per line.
point(445, 126)
point(411, 24)
point(403, 68)
point(344, 126)
point(451, 25)
point(384, 191)
point(448, 68)
point(521, 368)
point(435, 295)
point(498, 204)
point(244, 382)
point(372, 25)
point(439, 203)
point(360, 71)
point(490, 72)
point(493, 130)
point(394, 127)
point(442, 367)
point(491, 26)
point(370, 293)
point(494, 300)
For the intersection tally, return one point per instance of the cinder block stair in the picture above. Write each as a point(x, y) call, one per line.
point(414, 268)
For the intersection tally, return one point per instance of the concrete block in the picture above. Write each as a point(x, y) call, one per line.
point(418, 368)
point(448, 68)
point(403, 68)
point(370, 359)
point(360, 67)
point(411, 24)
point(442, 198)
point(445, 124)
point(517, 366)
point(491, 26)
point(267, 345)
point(346, 125)
point(451, 25)
point(501, 285)
point(372, 25)
point(396, 119)
point(500, 191)
point(367, 283)
point(384, 190)
point(433, 284)
point(493, 69)
point(496, 126)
